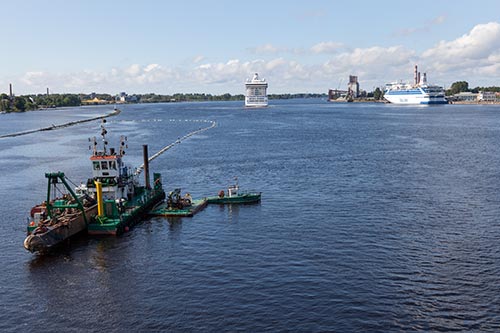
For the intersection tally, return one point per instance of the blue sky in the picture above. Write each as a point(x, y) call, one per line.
point(213, 46)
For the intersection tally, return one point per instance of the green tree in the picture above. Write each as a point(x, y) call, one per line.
point(19, 104)
point(377, 94)
point(71, 100)
point(4, 104)
point(458, 87)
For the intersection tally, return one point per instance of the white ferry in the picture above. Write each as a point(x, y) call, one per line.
point(417, 93)
point(256, 92)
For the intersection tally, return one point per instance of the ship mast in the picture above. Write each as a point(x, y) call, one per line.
point(104, 152)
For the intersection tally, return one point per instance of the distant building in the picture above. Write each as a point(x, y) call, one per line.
point(347, 95)
point(132, 99)
point(94, 101)
point(334, 94)
point(487, 96)
point(465, 97)
point(123, 97)
point(353, 87)
point(482, 96)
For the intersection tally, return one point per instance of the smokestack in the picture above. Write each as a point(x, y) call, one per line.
point(415, 75)
point(418, 78)
point(146, 166)
point(10, 90)
point(47, 91)
point(424, 78)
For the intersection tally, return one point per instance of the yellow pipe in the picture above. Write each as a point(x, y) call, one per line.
point(100, 202)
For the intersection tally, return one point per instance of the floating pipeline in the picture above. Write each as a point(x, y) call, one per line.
point(54, 127)
point(179, 140)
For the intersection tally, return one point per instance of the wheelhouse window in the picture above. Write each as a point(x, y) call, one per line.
point(104, 165)
point(97, 165)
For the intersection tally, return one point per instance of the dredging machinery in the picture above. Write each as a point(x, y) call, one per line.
point(109, 203)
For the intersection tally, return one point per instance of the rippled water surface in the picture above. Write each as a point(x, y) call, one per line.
point(374, 218)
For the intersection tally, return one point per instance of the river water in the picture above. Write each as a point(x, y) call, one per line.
point(374, 218)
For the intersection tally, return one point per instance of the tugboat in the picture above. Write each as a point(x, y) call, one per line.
point(108, 204)
point(233, 196)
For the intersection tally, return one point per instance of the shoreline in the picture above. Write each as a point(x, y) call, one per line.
point(475, 103)
point(54, 127)
point(385, 102)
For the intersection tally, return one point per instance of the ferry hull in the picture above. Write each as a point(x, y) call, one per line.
point(414, 100)
point(255, 102)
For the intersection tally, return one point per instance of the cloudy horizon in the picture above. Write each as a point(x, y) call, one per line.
point(305, 64)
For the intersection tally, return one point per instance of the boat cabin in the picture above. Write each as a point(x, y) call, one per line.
point(108, 168)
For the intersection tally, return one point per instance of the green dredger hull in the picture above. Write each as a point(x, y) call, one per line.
point(115, 223)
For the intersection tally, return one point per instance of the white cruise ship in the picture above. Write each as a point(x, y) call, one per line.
point(256, 92)
point(417, 93)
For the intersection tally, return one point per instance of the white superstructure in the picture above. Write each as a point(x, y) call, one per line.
point(418, 93)
point(256, 92)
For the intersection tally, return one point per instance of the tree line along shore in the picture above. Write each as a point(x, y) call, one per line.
point(44, 101)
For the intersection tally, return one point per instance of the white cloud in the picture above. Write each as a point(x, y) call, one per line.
point(152, 67)
point(133, 70)
point(374, 61)
point(198, 59)
point(326, 47)
point(479, 43)
point(231, 71)
point(474, 57)
point(275, 63)
point(31, 78)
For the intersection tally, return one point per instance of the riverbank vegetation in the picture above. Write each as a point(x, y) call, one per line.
point(43, 101)
point(34, 102)
point(463, 86)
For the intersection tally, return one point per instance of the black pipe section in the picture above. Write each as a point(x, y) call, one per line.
point(146, 166)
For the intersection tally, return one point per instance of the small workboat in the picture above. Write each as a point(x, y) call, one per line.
point(234, 196)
